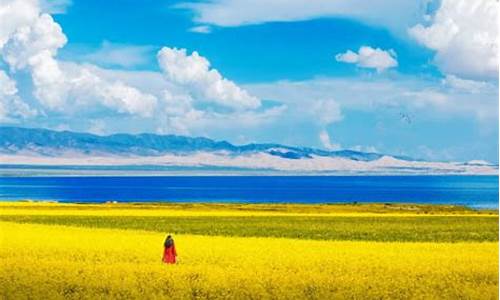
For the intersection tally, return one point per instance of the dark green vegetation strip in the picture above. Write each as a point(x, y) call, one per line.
point(381, 208)
point(402, 229)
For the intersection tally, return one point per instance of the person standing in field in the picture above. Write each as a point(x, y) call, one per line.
point(169, 253)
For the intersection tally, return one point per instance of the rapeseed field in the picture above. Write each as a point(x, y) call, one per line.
point(68, 259)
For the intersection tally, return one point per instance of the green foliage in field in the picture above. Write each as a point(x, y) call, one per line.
point(378, 208)
point(355, 228)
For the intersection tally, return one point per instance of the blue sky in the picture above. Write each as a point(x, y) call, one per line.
point(272, 51)
point(389, 77)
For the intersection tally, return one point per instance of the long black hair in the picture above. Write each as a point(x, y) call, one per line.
point(169, 242)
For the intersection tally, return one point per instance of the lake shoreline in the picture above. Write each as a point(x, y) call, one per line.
point(26, 170)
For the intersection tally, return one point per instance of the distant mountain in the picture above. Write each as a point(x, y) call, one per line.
point(42, 147)
point(53, 143)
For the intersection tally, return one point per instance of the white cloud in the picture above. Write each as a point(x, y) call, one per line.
point(398, 92)
point(471, 86)
point(33, 44)
point(15, 14)
point(64, 89)
point(201, 29)
point(33, 47)
point(182, 118)
point(177, 111)
point(186, 96)
point(348, 57)
point(7, 86)
point(368, 57)
point(464, 35)
point(127, 99)
point(111, 54)
point(326, 111)
point(327, 143)
point(83, 88)
point(194, 72)
point(393, 14)
point(175, 102)
point(11, 106)
point(87, 89)
point(60, 86)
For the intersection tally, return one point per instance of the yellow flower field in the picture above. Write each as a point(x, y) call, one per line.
point(56, 262)
point(222, 210)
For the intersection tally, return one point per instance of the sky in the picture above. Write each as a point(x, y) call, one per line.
point(414, 78)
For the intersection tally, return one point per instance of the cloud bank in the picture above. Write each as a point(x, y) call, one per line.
point(188, 95)
point(29, 44)
point(391, 14)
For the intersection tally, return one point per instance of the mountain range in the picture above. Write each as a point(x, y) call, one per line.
point(35, 146)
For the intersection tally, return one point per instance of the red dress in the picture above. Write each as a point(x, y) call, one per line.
point(169, 255)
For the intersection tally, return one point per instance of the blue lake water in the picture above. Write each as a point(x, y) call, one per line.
point(474, 191)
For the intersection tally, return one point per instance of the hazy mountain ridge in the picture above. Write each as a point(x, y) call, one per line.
point(48, 143)
point(42, 147)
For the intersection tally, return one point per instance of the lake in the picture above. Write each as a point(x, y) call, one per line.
point(473, 191)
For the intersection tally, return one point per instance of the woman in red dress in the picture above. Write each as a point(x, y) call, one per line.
point(169, 252)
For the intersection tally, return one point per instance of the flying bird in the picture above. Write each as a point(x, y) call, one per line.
point(405, 118)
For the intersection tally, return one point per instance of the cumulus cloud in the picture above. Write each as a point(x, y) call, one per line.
point(67, 88)
point(177, 109)
point(31, 39)
point(194, 72)
point(464, 35)
point(368, 57)
point(33, 48)
point(127, 99)
point(29, 45)
point(15, 14)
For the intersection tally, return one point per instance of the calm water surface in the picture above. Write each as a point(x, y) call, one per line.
point(474, 191)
